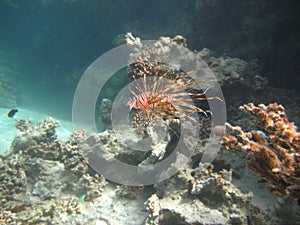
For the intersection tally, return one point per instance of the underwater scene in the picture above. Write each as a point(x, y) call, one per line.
point(138, 112)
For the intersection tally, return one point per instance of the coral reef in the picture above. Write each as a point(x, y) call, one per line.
point(200, 196)
point(241, 81)
point(48, 181)
point(227, 70)
point(230, 70)
point(37, 138)
point(39, 170)
point(161, 51)
point(110, 145)
point(60, 190)
point(273, 150)
point(205, 192)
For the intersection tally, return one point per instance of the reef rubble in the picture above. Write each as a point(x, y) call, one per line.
point(39, 173)
point(202, 196)
point(37, 187)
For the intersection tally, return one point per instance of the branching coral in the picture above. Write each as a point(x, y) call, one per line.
point(273, 151)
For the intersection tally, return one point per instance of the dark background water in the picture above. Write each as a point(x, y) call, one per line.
point(53, 41)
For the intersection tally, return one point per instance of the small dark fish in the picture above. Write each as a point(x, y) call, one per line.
point(12, 113)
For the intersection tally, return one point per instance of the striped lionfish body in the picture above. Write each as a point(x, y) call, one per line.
point(158, 96)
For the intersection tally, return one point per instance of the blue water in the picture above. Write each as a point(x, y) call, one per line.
point(50, 41)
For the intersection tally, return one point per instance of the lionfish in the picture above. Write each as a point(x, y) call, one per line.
point(162, 93)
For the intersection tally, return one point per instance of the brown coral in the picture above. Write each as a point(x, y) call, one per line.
point(273, 151)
